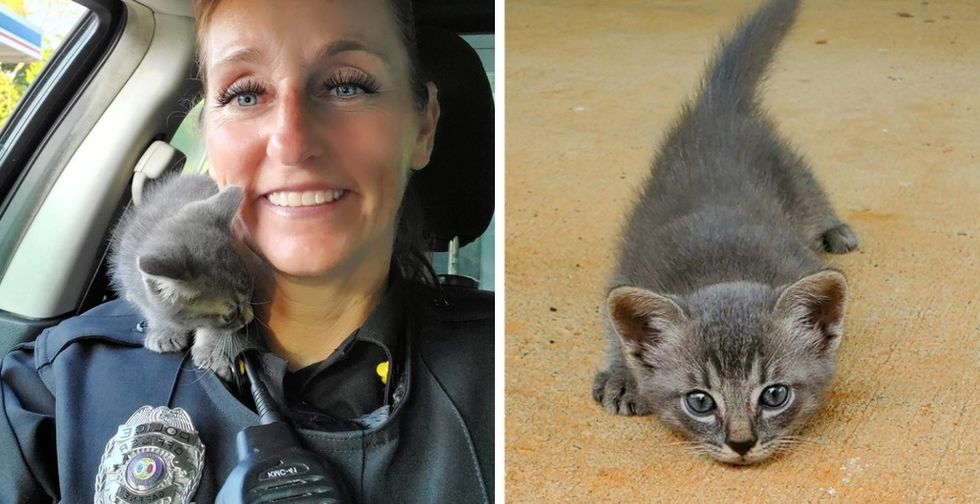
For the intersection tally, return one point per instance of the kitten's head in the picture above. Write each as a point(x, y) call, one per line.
point(192, 271)
point(736, 367)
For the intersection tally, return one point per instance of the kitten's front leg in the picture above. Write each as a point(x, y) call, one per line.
point(215, 350)
point(162, 338)
point(210, 352)
point(615, 389)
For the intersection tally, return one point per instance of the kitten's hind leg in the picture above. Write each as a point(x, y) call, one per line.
point(839, 239)
point(162, 339)
point(807, 205)
point(615, 389)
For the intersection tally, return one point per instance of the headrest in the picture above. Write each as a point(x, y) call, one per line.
point(456, 189)
point(460, 16)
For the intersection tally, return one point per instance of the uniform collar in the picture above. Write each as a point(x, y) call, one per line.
point(384, 327)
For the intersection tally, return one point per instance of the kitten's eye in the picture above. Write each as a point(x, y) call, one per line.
point(774, 396)
point(700, 402)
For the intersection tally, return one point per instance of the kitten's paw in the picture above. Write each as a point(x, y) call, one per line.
point(840, 239)
point(213, 361)
point(166, 340)
point(616, 391)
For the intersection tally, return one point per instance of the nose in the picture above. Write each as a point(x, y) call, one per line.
point(293, 140)
point(741, 447)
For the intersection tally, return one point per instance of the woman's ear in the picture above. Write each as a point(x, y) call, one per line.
point(427, 129)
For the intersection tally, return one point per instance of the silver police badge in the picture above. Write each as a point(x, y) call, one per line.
point(155, 457)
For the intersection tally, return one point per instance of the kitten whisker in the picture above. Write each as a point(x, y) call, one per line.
point(802, 440)
point(263, 324)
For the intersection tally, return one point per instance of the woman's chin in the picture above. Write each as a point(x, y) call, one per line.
point(302, 262)
point(319, 257)
point(306, 269)
point(322, 267)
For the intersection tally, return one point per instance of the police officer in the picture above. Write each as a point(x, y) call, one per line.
point(316, 109)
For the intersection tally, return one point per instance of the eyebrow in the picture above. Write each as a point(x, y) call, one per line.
point(252, 55)
point(244, 55)
point(344, 45)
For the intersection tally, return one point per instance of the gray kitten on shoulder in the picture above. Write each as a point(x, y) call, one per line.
point(721, 318)
point(175, 258)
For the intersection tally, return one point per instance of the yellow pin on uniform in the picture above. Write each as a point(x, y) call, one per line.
point(382, 370)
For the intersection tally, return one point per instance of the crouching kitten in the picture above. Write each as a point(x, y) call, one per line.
point(721, 318)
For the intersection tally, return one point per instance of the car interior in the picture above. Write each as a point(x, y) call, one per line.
point(113, 109)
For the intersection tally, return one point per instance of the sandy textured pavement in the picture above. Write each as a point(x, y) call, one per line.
point(883, 97)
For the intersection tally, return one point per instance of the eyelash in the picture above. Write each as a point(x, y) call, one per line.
point(247, 86)
point(354, 78)
point(363, 81)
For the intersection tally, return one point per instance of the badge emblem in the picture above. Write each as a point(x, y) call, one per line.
point(156, 456)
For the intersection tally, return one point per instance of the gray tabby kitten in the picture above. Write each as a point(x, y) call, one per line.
point(174, 257)
point(721, 318)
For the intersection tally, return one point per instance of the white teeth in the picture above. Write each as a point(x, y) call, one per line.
point(307, 198)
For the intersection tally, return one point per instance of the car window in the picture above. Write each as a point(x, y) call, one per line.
point(30, 33)
point(475, 259)
point(49, 52)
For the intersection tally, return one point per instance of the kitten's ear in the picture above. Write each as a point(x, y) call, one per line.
point(815, 304)
point(222, 206)
point(161, 266)
point(644, 320)
point(165, 278)
point(225, 204)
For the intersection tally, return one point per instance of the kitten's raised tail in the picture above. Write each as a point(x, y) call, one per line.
point(734, 74)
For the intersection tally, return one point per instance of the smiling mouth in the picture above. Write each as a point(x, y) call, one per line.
point(304, 198)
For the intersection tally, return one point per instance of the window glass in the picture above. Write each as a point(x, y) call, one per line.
point(189, 140)
point(30, 32)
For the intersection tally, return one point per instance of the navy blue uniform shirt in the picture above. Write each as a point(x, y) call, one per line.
point(63, 397)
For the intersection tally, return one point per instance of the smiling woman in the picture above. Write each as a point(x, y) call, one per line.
point(316, 101)
point(320, 112)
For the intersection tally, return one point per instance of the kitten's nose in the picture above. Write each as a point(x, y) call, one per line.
point(741, 447)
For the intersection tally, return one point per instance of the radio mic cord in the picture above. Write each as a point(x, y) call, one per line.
point(272, 465)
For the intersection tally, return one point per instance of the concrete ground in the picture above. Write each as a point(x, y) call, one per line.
point(883, 97)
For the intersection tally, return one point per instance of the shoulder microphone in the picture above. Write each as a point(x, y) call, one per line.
point(272, 465)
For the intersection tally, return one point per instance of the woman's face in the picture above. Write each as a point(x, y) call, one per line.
point(309, 108)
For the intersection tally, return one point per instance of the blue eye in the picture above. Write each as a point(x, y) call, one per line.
point(774, 396)
point(345, 91)
point(350, 83)
point(244, 93)
point(247, 99)
point(699, 402)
